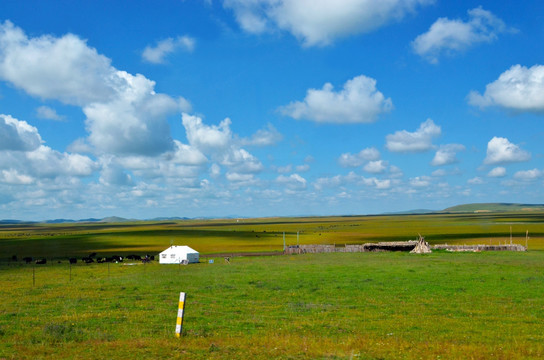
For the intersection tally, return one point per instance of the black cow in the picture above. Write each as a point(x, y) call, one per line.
point(87, 260)
point(27, 259)
point(72, 260)
point(117, 258)
point(41, 262)
point(91, 255)
point(14, 258)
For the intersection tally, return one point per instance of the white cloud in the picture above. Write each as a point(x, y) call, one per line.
point(64, 69)
point(375, 167)
point(47, 162)
point(18, 135)
point(518, 89)
point(186, 155)
point(451, 36)
point(355, 160)
point(446, 154)
point(124, 114)
point(45, 112)
point(302, 168)
point(157, 54)
point(207, 138)
point(241, 161)
point(499, 171)
point(358, 102)
point(528, 175)
point(500, 150)
point(292, 182)
point(220, 144)
point(319, 22)
point(418, 141)
point(12, 176)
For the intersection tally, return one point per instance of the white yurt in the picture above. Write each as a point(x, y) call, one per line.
point(177, 254)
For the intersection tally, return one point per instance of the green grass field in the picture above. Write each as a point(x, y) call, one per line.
point(333, 306)
point(60, 241)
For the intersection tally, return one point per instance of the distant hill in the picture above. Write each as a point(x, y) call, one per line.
point(411, 212)
point(115, 219)
point(495, 207)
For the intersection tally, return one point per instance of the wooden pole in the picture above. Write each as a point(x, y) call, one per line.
point(527, 240)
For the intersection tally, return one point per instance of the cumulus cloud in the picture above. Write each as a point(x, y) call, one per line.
point(375, 167)
point(18, 135)
point(157, 54)
point(413, 142)
point(498, 171)
point(205, 137)
point(446, 154)
point(358, 102)
point(355, 160)
point(528, 175)
point(518, 89)
point(124, 114)
point(500, 150)
point(451, 36)
point(319, 23)
point(13, 177)
point(220, 144)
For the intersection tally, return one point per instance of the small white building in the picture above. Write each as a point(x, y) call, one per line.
point(177, 254)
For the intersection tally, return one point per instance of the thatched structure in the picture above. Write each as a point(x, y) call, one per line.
point(422, 247)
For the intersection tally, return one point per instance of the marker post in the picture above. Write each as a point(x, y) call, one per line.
point(181, 309)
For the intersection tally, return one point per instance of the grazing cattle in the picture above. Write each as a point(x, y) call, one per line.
point(72, 260)
point(134, 257)
point(87, 260)
point(27, 259)
point(41, 262)
point(152, 258)
point(14, 258)
point(100, 261)
point(117, 258)
point(91, 255)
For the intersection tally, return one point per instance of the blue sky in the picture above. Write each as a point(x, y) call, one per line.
point(254, 108)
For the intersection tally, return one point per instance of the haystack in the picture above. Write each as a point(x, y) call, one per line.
point(422, 247)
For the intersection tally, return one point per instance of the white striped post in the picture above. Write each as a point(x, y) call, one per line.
point(181, 309)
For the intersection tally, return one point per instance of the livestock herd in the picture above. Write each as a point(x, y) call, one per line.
point(91, 258)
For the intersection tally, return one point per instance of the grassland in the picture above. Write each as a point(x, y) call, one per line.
point(58, 241)
point(332, 306)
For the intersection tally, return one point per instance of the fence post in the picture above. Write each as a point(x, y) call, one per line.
point(181, 309)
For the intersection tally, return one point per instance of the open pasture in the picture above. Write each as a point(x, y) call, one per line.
point(332, 306)
point(59, 241)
